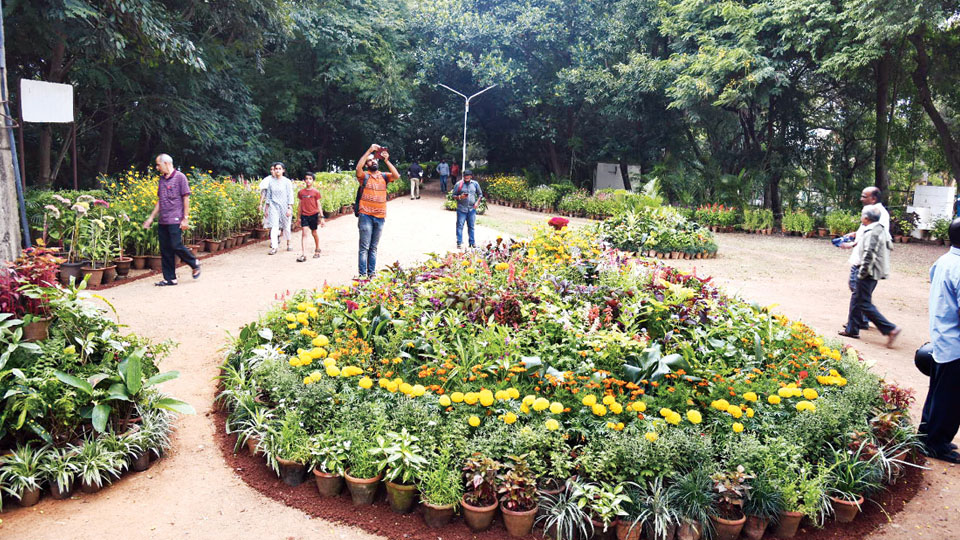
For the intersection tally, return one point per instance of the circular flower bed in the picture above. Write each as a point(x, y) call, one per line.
point(498, 374)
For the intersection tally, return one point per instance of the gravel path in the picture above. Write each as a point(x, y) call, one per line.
point(192, 493)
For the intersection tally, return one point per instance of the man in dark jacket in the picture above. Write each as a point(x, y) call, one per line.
point(415, 172)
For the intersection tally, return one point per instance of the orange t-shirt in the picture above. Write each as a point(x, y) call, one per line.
point(373, 202)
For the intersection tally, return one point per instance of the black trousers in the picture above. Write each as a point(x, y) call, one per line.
point(171, 246)
point(863, 307)
point(941, 410)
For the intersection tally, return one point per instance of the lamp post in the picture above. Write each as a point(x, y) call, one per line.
point(466, 109)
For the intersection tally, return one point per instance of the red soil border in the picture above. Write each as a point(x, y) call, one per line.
point(379, 519)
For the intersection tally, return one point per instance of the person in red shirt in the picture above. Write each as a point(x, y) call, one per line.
point(454, 173)
point(310, 216)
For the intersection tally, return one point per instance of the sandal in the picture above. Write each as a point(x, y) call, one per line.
point(844, 333)
point(165, 283)
point(316, 254)
point(301, 258)
point(273, 251)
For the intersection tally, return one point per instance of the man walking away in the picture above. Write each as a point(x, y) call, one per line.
point(309, 215)
point(467, 192)
point(444, 171)
point(173, 207)
point(874, 265)
point(276, 201)
point(415, 172)
point(870, 196)
point(941, 410)
point(372, 208)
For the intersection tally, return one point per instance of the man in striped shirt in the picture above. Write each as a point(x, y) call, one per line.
point(372, 205)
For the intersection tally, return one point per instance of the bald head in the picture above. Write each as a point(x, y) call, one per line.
point(164, 164)
point(870, 195)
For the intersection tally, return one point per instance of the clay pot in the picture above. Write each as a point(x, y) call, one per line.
point(600, 534)
point(788, 525)
point(57, 494)
point(109, 274)
point(363, 490)
point(628, 530)
point(93, 275)
point(30, 497)
point(211, 246)
point(68, 270)
point(139, 262)
point(37, 330)
point(328, 484)
point(437, 516)
point(155, 263)
point(519, 523)
point(402, 497)
point(478, 518)
point(845, 511)
point(89, 488)
point(252, 443)
point(142, 462)
point(754, 528)
point(291, 472)
point(689, 530)
point(727, 529)
point(123, 265)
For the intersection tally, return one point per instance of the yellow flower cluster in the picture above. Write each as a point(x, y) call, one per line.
point(773, 399)
point(694, 416)
point(616, 426)
point(501, 266)
point(312, 378)
point(806, 406)
point(833, 379)
point(671, 417)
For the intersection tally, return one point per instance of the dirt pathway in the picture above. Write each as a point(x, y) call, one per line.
point(193, 494)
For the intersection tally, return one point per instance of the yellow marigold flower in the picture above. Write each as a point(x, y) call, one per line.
point(456, 397)
point(750, 396)
point(773, 399)
point(810, 393)
point(673, 418)
point(419, 390)
point(806, 406)
point(651, 436)
point(513, 393)
point(737, 427)
point(470, 398)
point(529, 399)
point(589, 400)
point(290, 317)
point(541, 404)
point(720, 404)
point(329, 362)
point(552, 424)
point(665, 412)
point(608, 399)
point(318, 352)
point(444, 401)
point(524, 409)
point(750, 412)
point(616, 408)
point(734, 411)
point(556, 407)
point(307, 380)
point(474, 421)
point(501, 266)
point(501, 395)
point(406, 388)
point(333, 371)
point(785, 392)
point(365, 383)
point(509, 418)
point(694, 416)
point(486, 398)
point(611, 425)
point(292, 326)
point(640, 406)
point(392, 387)
point(599, 410)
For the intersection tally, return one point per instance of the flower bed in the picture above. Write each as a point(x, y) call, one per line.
point(80, 404)
point(523, 364)
point(658, 231)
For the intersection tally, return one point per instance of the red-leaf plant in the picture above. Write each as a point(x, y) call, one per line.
point(518, 486)
point(36, 266)
point(480, 476)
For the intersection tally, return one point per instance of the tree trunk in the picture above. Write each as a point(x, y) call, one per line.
point(557, 165)
point(44, 150)
point(625, 175)
point(881, 135)
point(9, 205)
point(106, 137)
point(951, 150)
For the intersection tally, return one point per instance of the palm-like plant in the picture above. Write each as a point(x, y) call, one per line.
point(21, 470)
point(58, 466)
point(98, 464)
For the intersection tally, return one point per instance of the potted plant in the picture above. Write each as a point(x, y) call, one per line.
point(694, 499)
point(440, 489)
point(730, 487)
point(853, 474)
point(153, 437)
point(603, 503)
point(402, 459)
point(121, 261)
point(479, 501)
point(364, 473)
point(21, 473)
point(252, 428)
point(562, 517)
point(59, 469)
point(763, 504)
point(517, 487)
point(557, 469)
point(328, 459)
point(941, 230)
point(804, 494)
point(654, 507)
point(33, 274)
point(97, 464)
point(287, 449)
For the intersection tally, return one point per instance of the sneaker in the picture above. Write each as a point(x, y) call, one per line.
point(459, 246)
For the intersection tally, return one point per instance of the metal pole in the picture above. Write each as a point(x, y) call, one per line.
point(75, 185)
point(466, 110)
point(18, 180)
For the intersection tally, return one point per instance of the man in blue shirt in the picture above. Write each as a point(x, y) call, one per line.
point(941, 411)
point(444, 171)
point(467, 192)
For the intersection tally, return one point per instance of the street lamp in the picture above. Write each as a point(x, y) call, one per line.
point(466, 109)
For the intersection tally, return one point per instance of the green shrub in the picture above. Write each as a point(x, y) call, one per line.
point(840, 222)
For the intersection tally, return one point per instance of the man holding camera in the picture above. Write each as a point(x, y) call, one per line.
point(371, 205)
point(468, 194)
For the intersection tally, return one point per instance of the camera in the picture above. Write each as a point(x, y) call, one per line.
point(379, 153)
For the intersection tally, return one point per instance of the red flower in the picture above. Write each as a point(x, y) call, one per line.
point(558, 222)
point(804, 374)
point(351, 305)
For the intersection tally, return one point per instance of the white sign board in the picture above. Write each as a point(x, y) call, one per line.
point(932, 202)
point(45, 102)
point(608, 175)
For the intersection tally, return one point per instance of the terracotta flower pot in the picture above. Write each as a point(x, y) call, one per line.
point(30, 497)
point(291, 472)
point(845, 511)
point(68, 270)
point(628, 530)
point(402, 497)
point(478, 518)
point(37, 330)
point(689, 530)
point(252, 443)
point(727, 529)
point(519, 523)
point(123, 265)
point(788, 525)
point(754, 528)
point(139, 262)
point(437, 516)
point(155, 263)
point(142, 462)
point(57, 494)
point(363, 490)
point(89, 488)
point(600, 534)
point(93, 275)
point(109, 274)
point(211, 246)
point(328, 484)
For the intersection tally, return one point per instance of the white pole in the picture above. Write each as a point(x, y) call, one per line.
point(466, 110)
